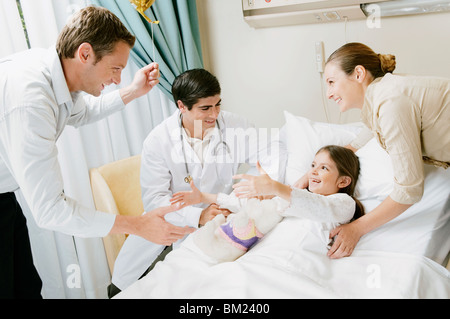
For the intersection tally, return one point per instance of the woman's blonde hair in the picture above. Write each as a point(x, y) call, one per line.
point(94, 25)
point(353, 54)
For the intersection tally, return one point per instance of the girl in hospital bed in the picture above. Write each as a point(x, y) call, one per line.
point(328, 201)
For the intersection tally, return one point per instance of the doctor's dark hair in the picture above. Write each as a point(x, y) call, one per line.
point(94, 25)
point(347, 164)
point(350, 55)
point(193, 85)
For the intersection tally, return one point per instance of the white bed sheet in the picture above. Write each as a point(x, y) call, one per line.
point(424, 229)
point(393, 261)
point(400, 259)
point(289, 263)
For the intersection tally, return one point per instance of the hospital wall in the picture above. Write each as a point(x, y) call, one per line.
point(266, 71)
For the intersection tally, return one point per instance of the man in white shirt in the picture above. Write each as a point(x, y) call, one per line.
point(40, 93)
point(198, 142)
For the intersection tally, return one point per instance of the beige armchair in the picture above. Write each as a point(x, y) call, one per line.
point(116, 189)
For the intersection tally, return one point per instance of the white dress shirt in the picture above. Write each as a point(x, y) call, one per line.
point(35, 106)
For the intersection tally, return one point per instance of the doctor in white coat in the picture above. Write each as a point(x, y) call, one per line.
point(199, 142)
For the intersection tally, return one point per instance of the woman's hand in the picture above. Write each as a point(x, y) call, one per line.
point(348, 236)
point(187, 198)
point(252, 186)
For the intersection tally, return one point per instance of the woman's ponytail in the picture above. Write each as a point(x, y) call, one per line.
point(350, 55)
point(388, 62)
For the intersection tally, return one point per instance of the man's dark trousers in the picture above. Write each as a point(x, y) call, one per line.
point(18, 276)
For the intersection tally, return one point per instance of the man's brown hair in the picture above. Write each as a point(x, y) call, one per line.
point(94, 25)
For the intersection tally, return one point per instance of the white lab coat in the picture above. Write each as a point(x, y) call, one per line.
point(163, 171)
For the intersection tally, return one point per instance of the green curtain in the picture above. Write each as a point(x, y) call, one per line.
point(177, 36)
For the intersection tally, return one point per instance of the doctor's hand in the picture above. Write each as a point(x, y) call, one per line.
point(144, 80)
point(156, 229)
point(253, 186)
point(187, 198)
point(210, 212)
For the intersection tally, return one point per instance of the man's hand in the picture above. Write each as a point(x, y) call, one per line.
point(210, 212)
point(157, 230)
point(152, 226)
point(144, 80)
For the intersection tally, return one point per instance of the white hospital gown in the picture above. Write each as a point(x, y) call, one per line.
point(322, 213)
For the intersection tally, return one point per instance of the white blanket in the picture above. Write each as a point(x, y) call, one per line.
point(291, 262)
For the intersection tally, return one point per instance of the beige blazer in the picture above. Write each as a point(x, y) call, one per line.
point(410, 118)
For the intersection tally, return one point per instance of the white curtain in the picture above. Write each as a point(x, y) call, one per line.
point(11, 31)
point(72, 267)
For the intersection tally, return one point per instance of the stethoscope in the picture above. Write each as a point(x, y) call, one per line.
point(216, 150)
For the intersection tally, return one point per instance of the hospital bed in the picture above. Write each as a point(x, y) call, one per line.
point(404, 258)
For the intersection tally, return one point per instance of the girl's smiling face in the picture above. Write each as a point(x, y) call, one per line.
point(324, 176)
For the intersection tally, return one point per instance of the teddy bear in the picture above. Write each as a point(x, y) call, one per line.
point(228, 238)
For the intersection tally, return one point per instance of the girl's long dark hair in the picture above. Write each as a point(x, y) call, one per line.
point(347, 164)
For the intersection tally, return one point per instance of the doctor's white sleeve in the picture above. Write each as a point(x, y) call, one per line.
point(32, 159)
point(156, 185)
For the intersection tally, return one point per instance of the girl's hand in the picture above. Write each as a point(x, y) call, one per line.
point(252, 186)
point(187, 198)
point(302, 183)
point(264, 197)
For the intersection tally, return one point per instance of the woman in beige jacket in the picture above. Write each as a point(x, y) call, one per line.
point(408, 115)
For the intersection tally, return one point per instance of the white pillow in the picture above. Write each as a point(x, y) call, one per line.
point(423, 229)
point(376, 177)
point(306, 137)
